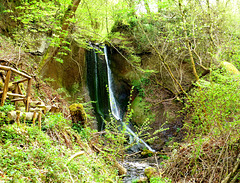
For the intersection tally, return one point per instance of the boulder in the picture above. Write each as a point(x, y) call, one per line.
point(78, 114)
point(230, 68)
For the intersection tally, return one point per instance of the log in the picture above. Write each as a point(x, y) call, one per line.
point(5, 88)
point(15, 95)
point(16, 91)
point(27, 115)
point(6, 68)
point(19, 89)
point(17, 99)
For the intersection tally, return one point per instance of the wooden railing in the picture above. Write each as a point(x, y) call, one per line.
point(18, 94)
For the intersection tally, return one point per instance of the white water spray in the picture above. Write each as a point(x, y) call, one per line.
point(115, 109)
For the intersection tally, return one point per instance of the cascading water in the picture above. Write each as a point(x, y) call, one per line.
point(97, 81)
point(114, 105)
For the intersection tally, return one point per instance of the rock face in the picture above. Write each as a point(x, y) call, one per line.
point(153, 97)
point(71, 74)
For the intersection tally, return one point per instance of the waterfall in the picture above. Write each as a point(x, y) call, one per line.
point(115, 109)
point(99, 76)
point(97, 81)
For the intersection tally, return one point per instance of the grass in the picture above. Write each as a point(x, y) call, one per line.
point(28, 154)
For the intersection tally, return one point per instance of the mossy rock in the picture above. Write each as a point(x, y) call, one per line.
point(229, 67)
point(150, 172)
point(78, 114)
point(139, 111)
point(146, 153)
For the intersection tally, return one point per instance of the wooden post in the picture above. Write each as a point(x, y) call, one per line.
point(24, 119)
point(5, 88)
point(18, 118)
point(16, 91)
point(28, 94)
point(34, 117)
point(40, 120)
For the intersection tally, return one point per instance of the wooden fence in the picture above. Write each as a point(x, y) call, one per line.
point(18, 94)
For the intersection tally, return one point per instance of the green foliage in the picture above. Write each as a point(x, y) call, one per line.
point(7, 107)
point(139, 84)
point(56, 120)
point(29, 155)
point(212, 128)
point(160, 180)
point(215, 107)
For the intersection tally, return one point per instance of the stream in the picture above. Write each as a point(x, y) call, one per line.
point(135, 169)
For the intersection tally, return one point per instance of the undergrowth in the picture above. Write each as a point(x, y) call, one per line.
point(211, 151)
point(28, 154)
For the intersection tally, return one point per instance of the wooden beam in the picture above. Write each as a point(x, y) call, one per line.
point(6, 68)
point(5, 88)
point(21, 73)
point(16, 91)
point(15, 95)
point(34, 117)
point(17, 99)
point(20, 81)
point(19, 90)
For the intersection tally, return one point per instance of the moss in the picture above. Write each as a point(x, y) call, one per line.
point(76, 107)
point(139, 111)
point(229, 67)
point(146, 153)
point(78, 113)
point(150, 172)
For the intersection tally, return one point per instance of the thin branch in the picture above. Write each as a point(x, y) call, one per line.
point(163, 61)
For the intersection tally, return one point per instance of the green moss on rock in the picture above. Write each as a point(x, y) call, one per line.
point(229, 67)
point(150, 172)
point(78, 114)
point(139, 111)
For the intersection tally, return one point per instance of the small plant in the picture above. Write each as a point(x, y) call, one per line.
point(7, 107)
point(56, 120)
point(160, 180)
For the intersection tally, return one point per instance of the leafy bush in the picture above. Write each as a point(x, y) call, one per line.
point(213, 131)
point(214, 106)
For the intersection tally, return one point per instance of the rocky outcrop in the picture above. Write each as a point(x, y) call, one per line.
point(70, 74)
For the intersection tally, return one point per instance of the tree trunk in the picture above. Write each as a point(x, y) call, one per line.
point(52, 51)
point(147, 6)
point(187, 41)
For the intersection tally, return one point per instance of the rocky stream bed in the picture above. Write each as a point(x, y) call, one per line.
point(135, 168)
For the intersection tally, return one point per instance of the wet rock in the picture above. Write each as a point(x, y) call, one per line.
point(142, 180)
point(150, 172)
point(135, 170)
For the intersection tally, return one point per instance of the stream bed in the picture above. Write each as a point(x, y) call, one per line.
point(135, 169)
